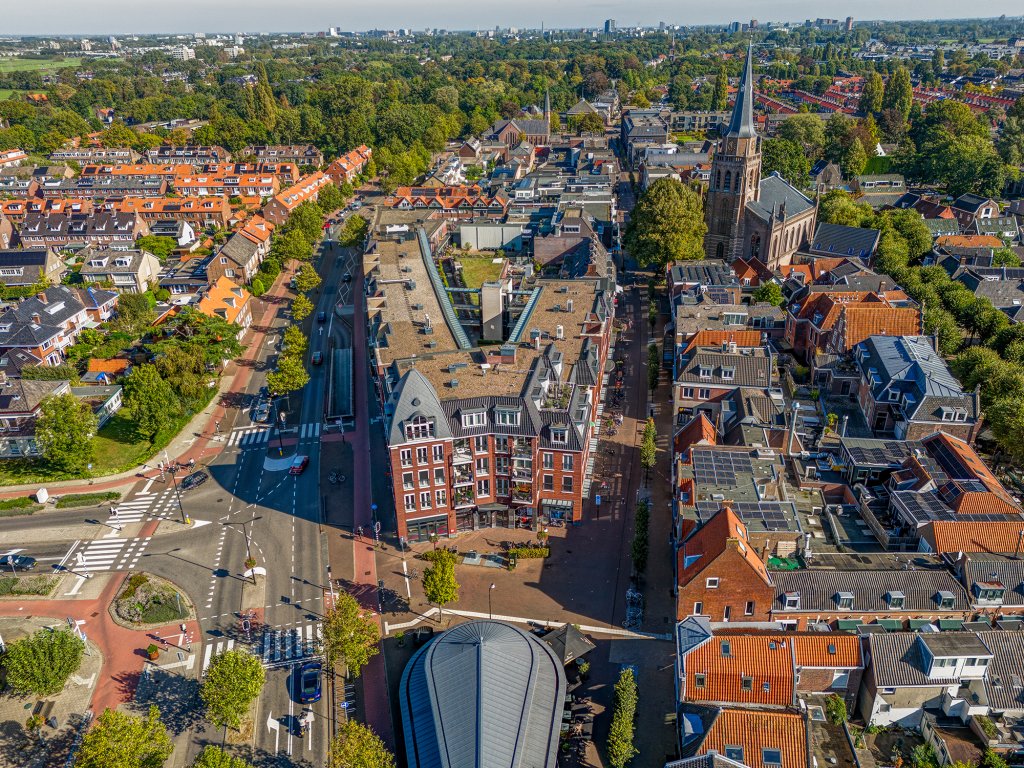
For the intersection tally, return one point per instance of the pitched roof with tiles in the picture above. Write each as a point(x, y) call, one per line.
point(307, 188)
point(826, 650)
point(741, 669)
point(699, 430)
point(723, 530)
point(116, 365)
point(757, 732)
point(966, 535)
point(717, 338)
point(818, 590)
point(864, 320)
point(224, 299)
point(969, 241)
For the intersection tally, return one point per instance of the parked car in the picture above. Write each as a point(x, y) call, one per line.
point(309, 682)
point(194, 480)
point(318, 357)
point(299, 464)
point(14, 562)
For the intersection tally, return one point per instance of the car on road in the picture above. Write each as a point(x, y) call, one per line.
point(261, 412)
point(299, 464)
point(347, 277)
point(14, 562)
point(321, 317)
point(318, 357)
point(309, 682)
point(194, 480)
point(356, 206)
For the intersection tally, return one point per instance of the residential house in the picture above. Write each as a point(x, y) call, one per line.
point(181, 232)
point(450, 202)
point(103, 187)
point(243, 253)
point(994, 582)
point(190, 153)
point(719, 574)
point(712, 277)
point(141, 171)
point(708, 373)
point(228, 301)
point(844, 599)
point(840, 240)
point(104, 399)
point(1003, 227)
point(907, 390)
point(837, 321)
point(45, 324)
point(11, 157)
point(20, 401)
point(58, 230)
point(226, 184)
point(281, 206)
point(969, 207)
point(299, 154)
point(199, 212)
point(347, 167)
point(186, 277)
point(825, 176)
point(749, 737)
point(130, 271)
point(29, 266)
point(106, 371)
point(95, 155)
point(16, 210)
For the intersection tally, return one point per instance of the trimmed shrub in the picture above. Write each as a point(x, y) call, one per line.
point(86, 499)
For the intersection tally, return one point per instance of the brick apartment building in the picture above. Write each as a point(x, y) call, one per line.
point(482, 437)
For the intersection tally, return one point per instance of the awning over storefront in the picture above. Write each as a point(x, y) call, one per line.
point(493, 507)
point(563, 503)
point(893, 625)
point(849, 624)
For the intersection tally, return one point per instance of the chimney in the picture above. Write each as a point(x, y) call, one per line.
point(36, 318)
point(41, 296)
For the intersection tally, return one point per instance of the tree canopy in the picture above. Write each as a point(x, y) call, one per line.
point(41, 664)
point(350, 634)
point(357, 746)
point(120, 740)
point(233, 682)
point(65, 430)
point(439, 582)
point(666, 225)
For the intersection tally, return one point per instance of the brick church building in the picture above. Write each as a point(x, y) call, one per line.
point(748, 216)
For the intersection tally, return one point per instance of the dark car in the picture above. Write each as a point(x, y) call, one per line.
point(17, 563)
point(194, 480)
point(321, 317)
point(347, 277)
point(318, 357)
point(309, 682)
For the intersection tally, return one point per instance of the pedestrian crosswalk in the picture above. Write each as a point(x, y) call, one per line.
point(249, 437)
point(111, 554)
point(309, 430)
point(215, 649)
point(145, 506)
point(283, 646)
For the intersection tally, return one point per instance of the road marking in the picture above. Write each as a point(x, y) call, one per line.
point(79, 581)
point(206, 656)
point(148, 485)
point(67, 556)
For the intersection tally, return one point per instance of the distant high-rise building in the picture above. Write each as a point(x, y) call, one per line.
point(609, 26)
point(661, 26)
point(753, 23)
point(734, 27)
point(849, 23)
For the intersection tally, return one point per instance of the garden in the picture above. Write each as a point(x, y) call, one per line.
point(148, 600)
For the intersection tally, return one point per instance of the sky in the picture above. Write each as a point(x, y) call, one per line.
point(120, 17)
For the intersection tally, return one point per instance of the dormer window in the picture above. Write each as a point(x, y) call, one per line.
point(508, 417)
point(945, 600)
point(560, 435)
point(728, 374)
point(844, 599)
point(895, 599)
point(473, 419)
point(704, 372)
point(419, 428)
point(791, 601)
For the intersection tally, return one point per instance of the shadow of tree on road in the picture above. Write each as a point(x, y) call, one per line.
point(176, 697)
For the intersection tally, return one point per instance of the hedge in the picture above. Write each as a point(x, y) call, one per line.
point(529, 553)
point(22, 505)
point(86, 499)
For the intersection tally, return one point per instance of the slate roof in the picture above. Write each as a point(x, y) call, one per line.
point(749, 370)
point(484, 693)
point(741, 125)
point(62, 304)
point(818, 590)
point(846, 241)
point(776, 192)
point(21, 396)
point(709, 760)
point(1008, 572)
point(1003, 684)
point(414, 395)
point(969, 202)
point(1002, 294)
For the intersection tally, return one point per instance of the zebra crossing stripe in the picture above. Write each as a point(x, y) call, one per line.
point(309, 430)
point(221, 647)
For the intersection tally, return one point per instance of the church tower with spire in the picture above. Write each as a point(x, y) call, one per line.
point(735, 175)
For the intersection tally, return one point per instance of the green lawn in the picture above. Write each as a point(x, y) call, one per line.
point(40, 65)
point(6, 93)
point(477, 270)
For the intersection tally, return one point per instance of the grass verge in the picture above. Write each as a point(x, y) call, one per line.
point(26, 585)
point(22, 505)
point(86, 499)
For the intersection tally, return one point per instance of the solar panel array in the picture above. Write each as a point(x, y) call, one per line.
point(950, 462)
point(756, 515)
point(719, 468)
point(889, 452)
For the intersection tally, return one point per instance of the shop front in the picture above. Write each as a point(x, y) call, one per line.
point(423, 528)
point(555, 511)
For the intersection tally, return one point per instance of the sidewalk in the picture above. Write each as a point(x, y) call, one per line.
point(199, 439)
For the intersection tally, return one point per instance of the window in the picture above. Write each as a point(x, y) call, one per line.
point(438, 453)
point(422, 455)
point(734, 753)
point(560, 435)
point(410, 502)
point(419, 428)
point(703, 394)
point(507, 417)
point(405, 456)
point(728, 374)
point(407, 480)
point(699, 680)
point(896, 599)
point(791, 600)
point(501, 486)
point(844, 599)
point(502, 465)
point(424, 477)
point(567, 484)
point(501, 444)
point(549, 482)
point(548, 460)
point(483, 466)
point(698, 608)
point(746, 683)
point(749, 609)
point(483, 487)
point(567, 462)
point(425, 500)
point(704, 372)
point(712, 583)
point(438, 475)
point(441, 497)
point(688, 393)
point(945, 600)
point(727, 613)
point(771, 756)
point(474, 419)
point(726, 649)
point(480, 444)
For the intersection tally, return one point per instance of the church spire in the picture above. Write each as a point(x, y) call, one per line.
point(742, 123)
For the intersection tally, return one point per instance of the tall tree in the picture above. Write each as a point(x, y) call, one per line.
point(720, 95)
point(667, 224)
point(307, 279)
point(290, 376)
point(899, 94)
point(134, 313)
point(216, 757)
point(855, 159)
point(301, 308)
point(357, 746)
point(350, 634)
point(150, 400)
point(233, 682)
point(120, 740)
point(65, 430)
point(788, 158)
point(806, 130)
point(439, 583)
point(769, 292)
point(41, 664)
point(871, 96)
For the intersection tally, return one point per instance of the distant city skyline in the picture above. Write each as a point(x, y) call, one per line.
point(121, 17)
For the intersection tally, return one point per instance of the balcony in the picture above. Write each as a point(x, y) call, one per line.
point(522, 449)
point(464, 498)
point(522, 493)
point(522, 475)
point(461, 453)
point(462, 478)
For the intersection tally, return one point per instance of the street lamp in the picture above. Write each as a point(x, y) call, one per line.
point(490, 615)
point(280, 418)
point(177, 495)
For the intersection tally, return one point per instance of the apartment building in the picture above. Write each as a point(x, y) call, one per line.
point(280, 208)
point(56, 230)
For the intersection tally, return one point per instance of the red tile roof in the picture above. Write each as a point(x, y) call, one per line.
point(966, 535)
point(864, 320)
point(756, 731)
point(827, 650)
point(742, 669)
point(700, 431)
point(722, 531)
point(969, 241)
point(709, 338)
